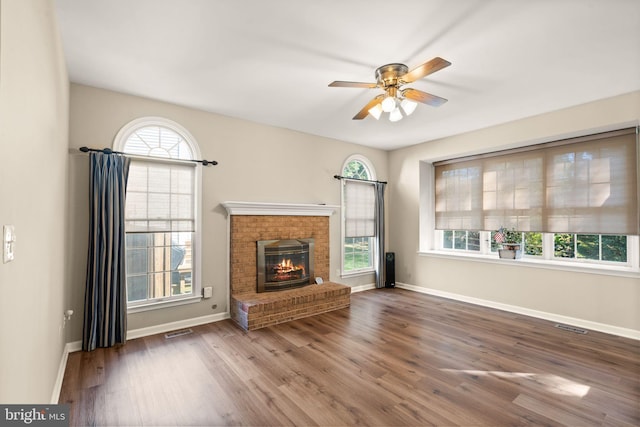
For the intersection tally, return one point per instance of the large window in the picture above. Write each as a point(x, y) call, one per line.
point(572, 200)
point(358, 203)
point(161, 213)
point(612, 250)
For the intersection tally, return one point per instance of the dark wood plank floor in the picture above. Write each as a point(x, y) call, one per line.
point(394, 357)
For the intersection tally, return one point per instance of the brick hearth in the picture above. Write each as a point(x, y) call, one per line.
point(252, 310)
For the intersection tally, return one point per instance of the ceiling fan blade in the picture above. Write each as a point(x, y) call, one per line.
point(363, 113)
point(424, 97)
point(353, 84)
point(425, 69)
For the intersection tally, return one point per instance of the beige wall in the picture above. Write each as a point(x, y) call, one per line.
point(33, 198)
point(257, 163)
point(603, 299)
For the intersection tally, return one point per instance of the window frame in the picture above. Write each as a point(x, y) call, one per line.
point(546, 260)
point(372, 256)
point(119, 143)
point(430, 239)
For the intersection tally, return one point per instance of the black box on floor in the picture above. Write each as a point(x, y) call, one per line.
point(390, 270)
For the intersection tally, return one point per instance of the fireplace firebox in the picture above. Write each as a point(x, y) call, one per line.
point(284, 264)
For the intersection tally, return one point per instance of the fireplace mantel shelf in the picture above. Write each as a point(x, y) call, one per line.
point(267, 208)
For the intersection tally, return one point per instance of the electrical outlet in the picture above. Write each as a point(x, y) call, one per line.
point(66, 316)
point(207, 292)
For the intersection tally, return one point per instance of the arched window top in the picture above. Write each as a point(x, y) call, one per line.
point(359, 167)
point(156, 137)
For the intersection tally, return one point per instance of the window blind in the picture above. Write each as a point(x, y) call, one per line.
point(360, 211)
point(160, 197)
point(582, 185)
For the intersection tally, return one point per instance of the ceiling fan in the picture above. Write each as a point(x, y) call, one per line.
point(394, 100)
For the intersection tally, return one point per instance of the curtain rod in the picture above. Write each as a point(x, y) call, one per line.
point(110, 151)
point(358, 179)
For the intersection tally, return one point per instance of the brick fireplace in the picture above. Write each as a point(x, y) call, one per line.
point(250, 223)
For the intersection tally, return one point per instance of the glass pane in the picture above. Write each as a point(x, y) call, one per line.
point(459, 239)
point(136, 145)
point(356, 253)
point(169, 140)
point(588, 246)
point(158, 141)
point(533, 244)
point(137, 261)
point(447, 239)
point(614, 248)
point(137, 240)
point(158, 265)
point(182, 151)
point(158, 285)
point(563, 245)
point(137, 288)
point(513, 236)
point(356, 169)
point(473, 239)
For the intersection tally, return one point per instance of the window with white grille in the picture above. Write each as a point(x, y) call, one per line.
point(358, 207)
point(161, 214)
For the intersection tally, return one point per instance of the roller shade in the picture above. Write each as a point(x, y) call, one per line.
point(583, 185)
point(160, 197)
point(360, 200)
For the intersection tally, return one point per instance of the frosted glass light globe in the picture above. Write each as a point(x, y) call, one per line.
point(395, 115)
point(376, 111)
point(388, 104)
point(408, 106)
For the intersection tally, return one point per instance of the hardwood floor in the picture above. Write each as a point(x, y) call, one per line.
point(393, 358)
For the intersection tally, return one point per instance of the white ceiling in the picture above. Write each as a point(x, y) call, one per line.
point(270, 61)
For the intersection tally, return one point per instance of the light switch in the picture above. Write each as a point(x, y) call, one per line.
point(9, 240)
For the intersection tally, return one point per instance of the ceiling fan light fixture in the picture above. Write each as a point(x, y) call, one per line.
point(395, 100)
point(408, 106)
point(389, 104)
point(376, 111)
point(395, 115)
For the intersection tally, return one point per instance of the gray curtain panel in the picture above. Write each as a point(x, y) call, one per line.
point(379, 234)
point(105, 306)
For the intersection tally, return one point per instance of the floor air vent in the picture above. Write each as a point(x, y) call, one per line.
point(179, 333)
point(571, 328)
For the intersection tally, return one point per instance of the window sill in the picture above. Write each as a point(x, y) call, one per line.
point(529, 262)
point(163, 304)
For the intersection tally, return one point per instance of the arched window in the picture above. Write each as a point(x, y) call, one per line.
point(161, 213)
point(358, 208)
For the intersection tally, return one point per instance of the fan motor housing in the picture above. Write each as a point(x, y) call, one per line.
point(388, 75)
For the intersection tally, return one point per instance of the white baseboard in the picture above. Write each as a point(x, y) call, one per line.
point(57, 386)
point(172, 326)
point(582, 323)
point(361, 288)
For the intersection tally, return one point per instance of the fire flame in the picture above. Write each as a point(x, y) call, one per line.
point(286, 266)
